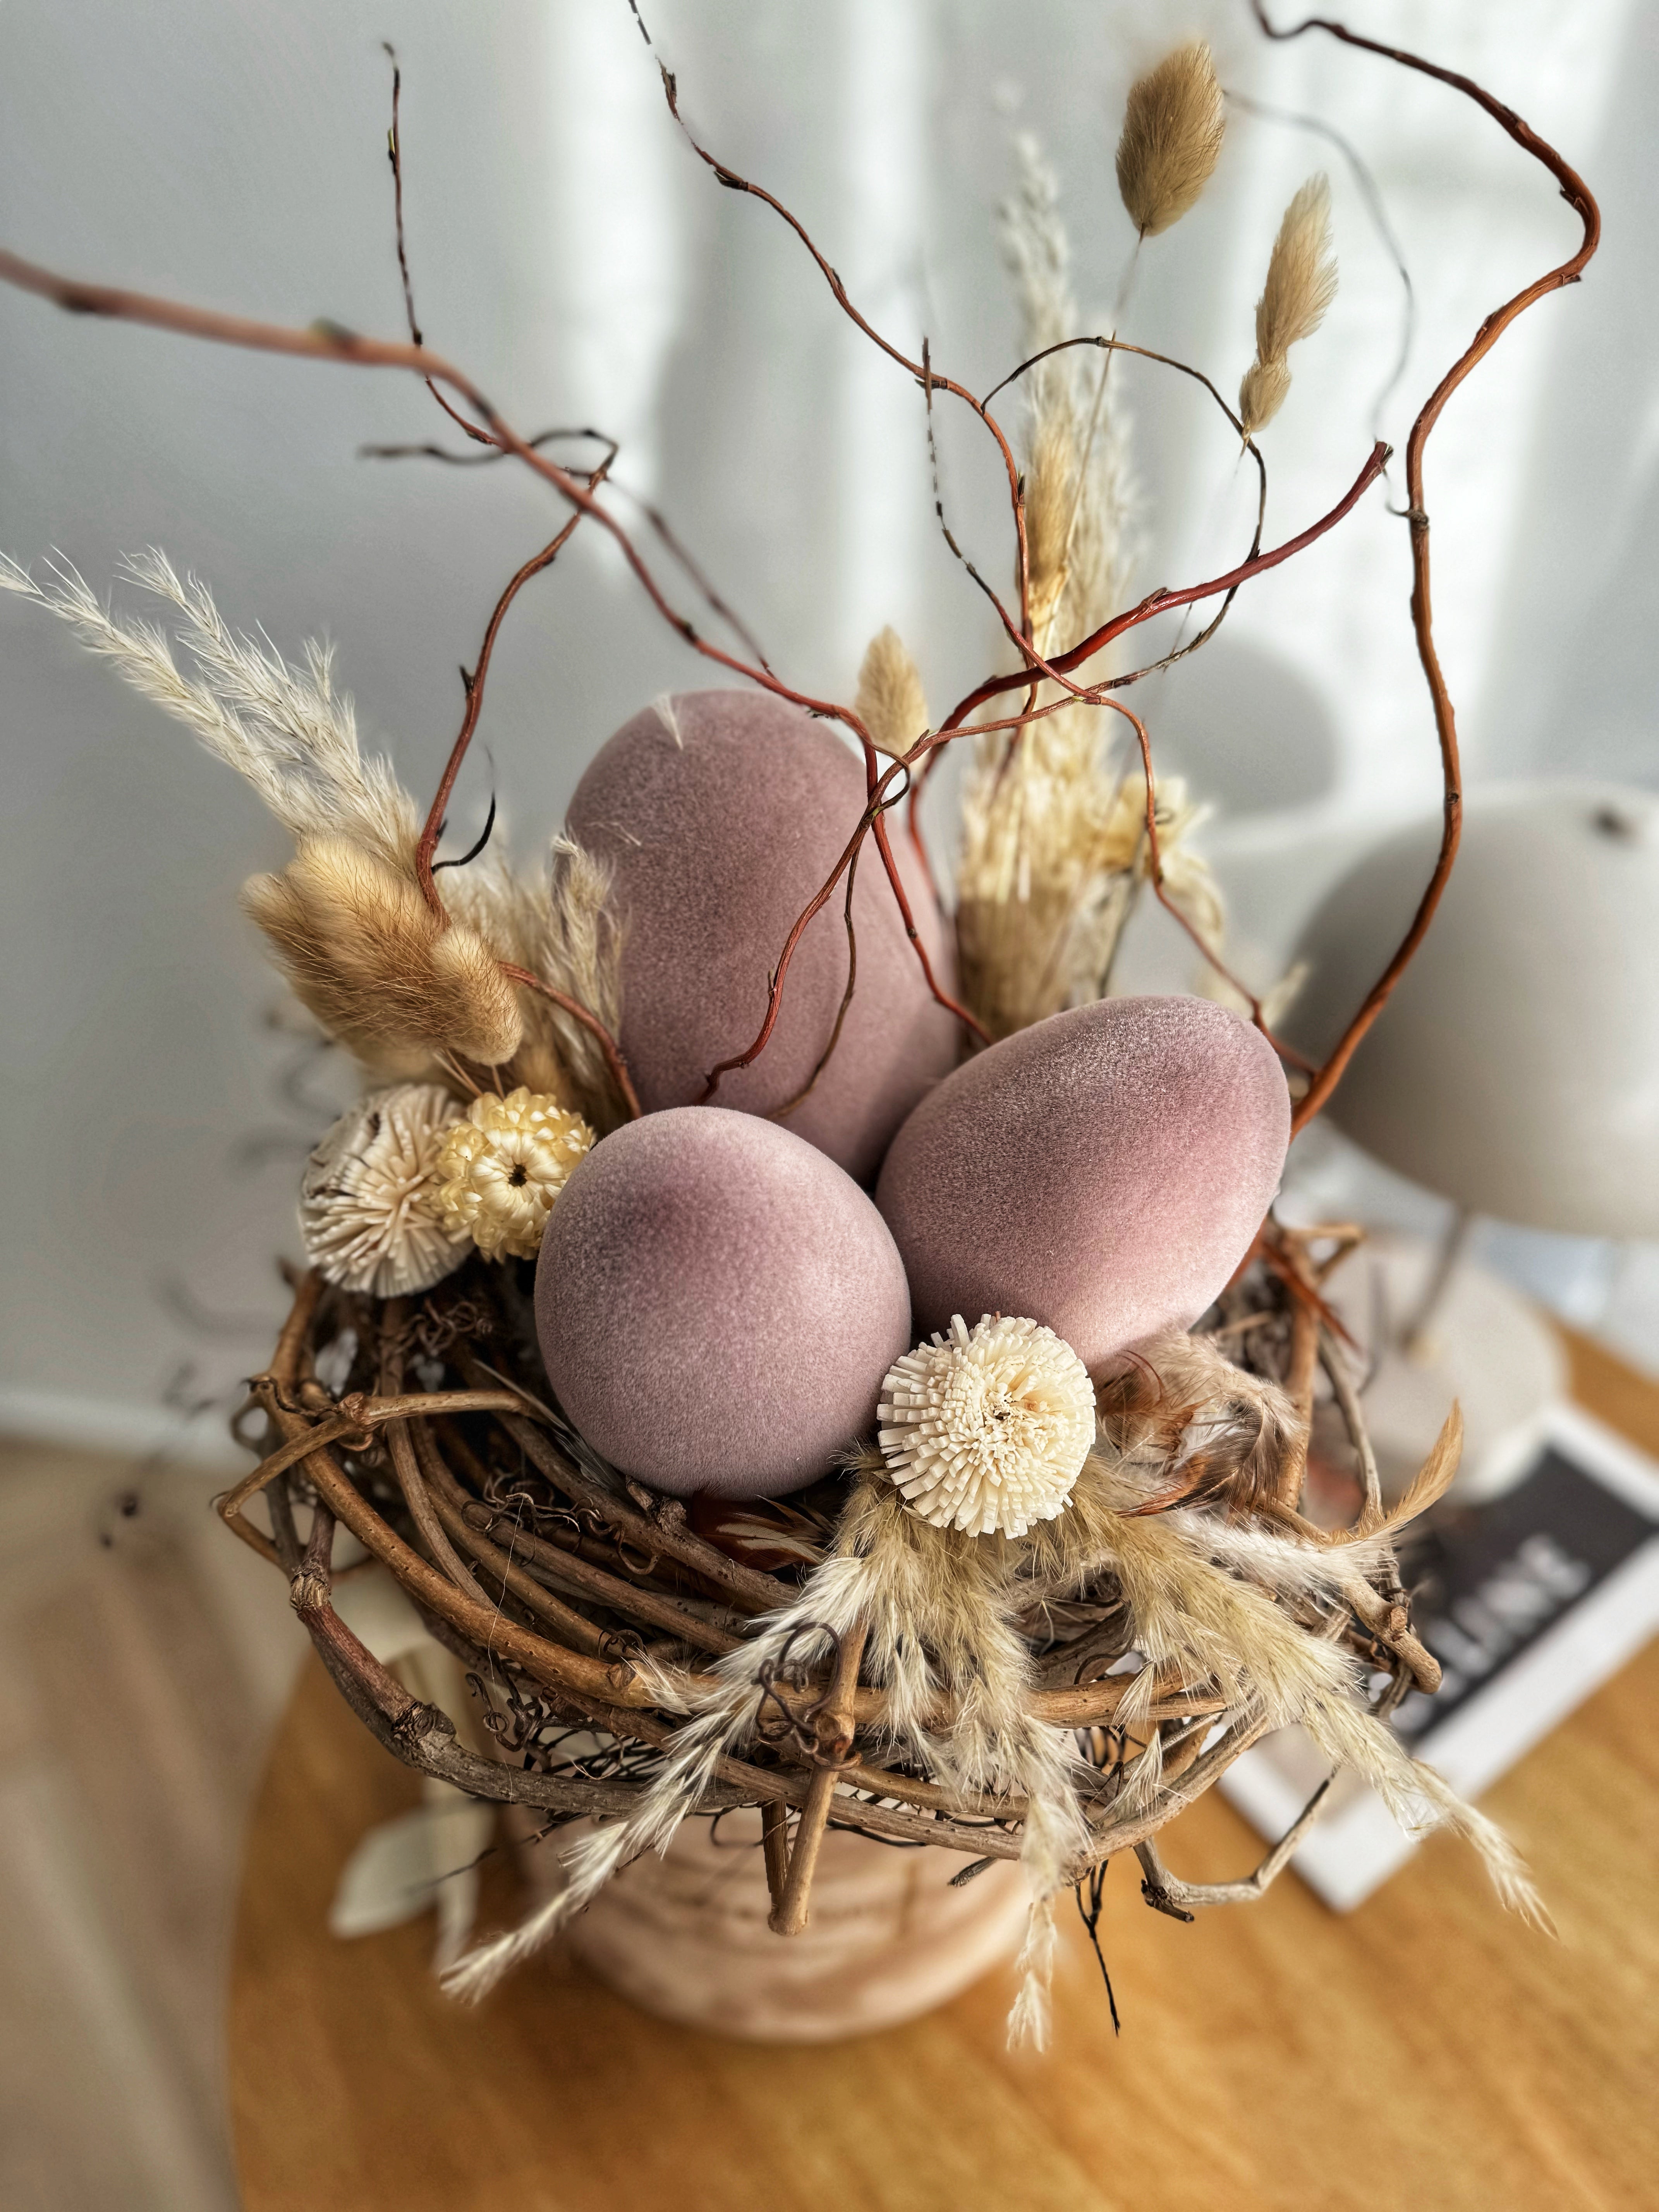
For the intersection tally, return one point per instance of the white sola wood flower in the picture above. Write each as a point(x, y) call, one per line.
point(368, 1202)
point(987, 1428)
point(503, 1166)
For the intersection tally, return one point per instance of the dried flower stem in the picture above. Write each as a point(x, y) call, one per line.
point(834, 1729)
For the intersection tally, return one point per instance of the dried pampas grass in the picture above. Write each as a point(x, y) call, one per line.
point(378, 968)
point(891, 701)
point(1052, 844)
point(1173, 126)
point(1301, 285)
point(936, 1610)
point(1053, 854)
point(411, 992)
point(286, 729)
point(563, 930)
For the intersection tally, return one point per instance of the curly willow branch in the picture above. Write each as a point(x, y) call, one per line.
point(1580, 198)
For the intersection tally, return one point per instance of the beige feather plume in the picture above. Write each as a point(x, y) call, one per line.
point(891, 701)
point(1301, 285)
point(1173, 126)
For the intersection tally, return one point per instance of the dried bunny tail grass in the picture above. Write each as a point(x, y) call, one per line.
point(891, 701)
point(1262, 390)
point(287, 731)
point(1051, 506)
point(1173, 126)
point(379, 971)
point(563, 930)
point(1301, 285)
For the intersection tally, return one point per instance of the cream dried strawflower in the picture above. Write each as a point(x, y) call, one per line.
point(369, 1202)
point(502, 1167)
point(987, 1429)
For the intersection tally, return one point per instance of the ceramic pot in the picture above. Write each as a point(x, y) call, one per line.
point(685, 1935)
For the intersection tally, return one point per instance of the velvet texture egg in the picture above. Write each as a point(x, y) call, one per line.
point(718, 1303)
point(722, 813)
point(1102, 1172)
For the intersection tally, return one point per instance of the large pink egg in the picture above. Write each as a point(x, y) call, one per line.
point(1102, 1172)
point(722, 813)
point(718, 1303)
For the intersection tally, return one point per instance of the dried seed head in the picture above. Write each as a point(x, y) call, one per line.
point(890, 702)
point(368, 1202)
point(987, 1429)
point(1301, 285)
point(1173, 126)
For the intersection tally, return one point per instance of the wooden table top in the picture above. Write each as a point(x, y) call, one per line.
point(1427, 2051)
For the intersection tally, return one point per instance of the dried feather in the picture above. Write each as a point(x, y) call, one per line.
point(1173, 126)
point(891, 701)
point(1301, 285)
point(1196, 1425)
point(1195, 1622)
point(364, 951)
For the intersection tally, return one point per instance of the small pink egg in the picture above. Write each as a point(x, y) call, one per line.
point(722, 813)
point(718, 1303)
point(1102, 1172)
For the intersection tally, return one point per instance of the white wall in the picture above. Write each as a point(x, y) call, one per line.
point(568, 249)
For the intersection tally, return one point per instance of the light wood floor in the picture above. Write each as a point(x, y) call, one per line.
point(145, 1659)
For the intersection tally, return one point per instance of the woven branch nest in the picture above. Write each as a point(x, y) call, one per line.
point(585, 1606)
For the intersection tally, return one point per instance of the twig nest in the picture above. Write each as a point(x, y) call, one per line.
point(1103, 1171)
point(722, 813)
point(502, 1167)
point(986, 1429)
point(369, 1202)
point(717, 1304)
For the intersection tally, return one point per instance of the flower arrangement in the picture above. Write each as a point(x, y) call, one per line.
point(723, 1164)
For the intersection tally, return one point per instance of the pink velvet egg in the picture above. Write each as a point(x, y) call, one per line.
point(718, 1303)
point(722, 812)
point(1102, 1172)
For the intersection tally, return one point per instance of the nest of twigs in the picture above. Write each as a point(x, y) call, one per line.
point(585, 1609)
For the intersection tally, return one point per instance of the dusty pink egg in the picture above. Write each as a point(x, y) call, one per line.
point(718, 1303)
point(1102, 1172)
point(722, 812)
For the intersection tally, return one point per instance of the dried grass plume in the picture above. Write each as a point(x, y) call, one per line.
point(1301, 285)
point(1173, 126)
point(891, 701)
